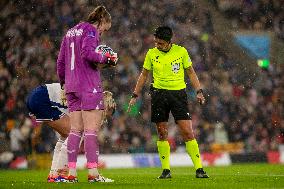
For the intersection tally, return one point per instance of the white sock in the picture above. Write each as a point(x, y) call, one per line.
point(73, 172)
point(53, 169)
point(93, 172)
point(62, 163)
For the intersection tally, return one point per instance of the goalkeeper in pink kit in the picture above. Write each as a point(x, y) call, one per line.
point(78, 68)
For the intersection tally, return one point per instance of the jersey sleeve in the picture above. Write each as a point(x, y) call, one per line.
point(186, 60)
point(61, 62)
point(147, 62)
point(90, 42)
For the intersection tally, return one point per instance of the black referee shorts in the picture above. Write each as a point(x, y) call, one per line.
point(165, 101)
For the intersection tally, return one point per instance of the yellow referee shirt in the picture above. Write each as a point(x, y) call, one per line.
point(168, 67)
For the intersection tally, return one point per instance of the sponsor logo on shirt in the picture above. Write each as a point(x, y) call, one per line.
point(74, 32)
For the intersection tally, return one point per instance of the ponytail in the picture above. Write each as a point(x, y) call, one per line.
point(98, 14)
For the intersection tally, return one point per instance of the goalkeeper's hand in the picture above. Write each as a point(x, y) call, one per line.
point(110, 105)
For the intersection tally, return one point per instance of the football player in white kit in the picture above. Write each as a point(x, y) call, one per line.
point(46, 104)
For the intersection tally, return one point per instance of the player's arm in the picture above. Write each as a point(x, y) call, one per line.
point(195, 84)
point(193, 78)
point(89, 45)
point(147, 66)
point(141, 81)
point(61, 63)
point(139, 85)
point(187, 63)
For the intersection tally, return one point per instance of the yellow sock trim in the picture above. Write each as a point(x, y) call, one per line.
point(193, 151)
point(164, 153)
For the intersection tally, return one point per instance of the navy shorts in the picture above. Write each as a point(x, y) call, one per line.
point(40, 106)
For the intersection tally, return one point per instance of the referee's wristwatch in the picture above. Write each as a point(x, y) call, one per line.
point(134, 95)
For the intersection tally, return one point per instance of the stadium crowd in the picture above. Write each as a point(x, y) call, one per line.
point(235, 111)
point(255, 15)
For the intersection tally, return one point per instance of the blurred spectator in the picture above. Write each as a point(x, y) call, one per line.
point(220, 134)
point(20, 137)
point(255, 15)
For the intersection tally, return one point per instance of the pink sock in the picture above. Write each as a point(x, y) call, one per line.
point(91, 148)
point(73, 147)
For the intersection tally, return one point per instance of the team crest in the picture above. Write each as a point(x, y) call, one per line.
point(175, 67)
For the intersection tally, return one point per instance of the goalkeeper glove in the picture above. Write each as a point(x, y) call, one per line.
point(112, 59)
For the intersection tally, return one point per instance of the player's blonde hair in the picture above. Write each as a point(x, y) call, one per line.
point(98, 15)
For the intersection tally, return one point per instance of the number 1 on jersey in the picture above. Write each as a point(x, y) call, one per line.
point(72, 56)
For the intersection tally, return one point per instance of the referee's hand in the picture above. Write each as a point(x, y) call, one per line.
point(131, 103)
point(200, 98)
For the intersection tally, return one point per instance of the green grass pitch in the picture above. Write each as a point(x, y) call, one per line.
point(259, 176)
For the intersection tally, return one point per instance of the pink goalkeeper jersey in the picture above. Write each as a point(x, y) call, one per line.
point(75, 63)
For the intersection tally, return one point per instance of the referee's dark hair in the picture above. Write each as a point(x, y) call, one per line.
point(164, 33)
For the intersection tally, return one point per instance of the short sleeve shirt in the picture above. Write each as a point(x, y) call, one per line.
point(168, 67)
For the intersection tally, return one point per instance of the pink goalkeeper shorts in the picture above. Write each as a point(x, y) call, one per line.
point(85, 101)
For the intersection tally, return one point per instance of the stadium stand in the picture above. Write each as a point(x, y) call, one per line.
point(259, 15)
point(236, 111)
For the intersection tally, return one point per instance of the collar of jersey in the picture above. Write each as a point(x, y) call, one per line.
point(166, 51)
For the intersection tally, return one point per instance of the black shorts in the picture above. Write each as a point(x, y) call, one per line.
point(165, 101)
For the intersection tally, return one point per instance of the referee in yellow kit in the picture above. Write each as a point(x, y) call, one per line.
point(168, 63)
